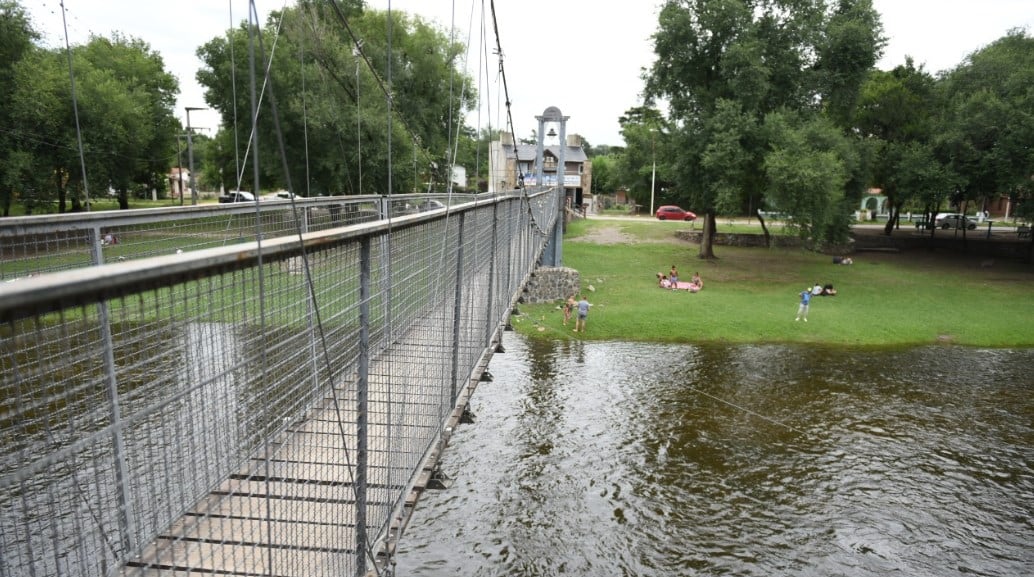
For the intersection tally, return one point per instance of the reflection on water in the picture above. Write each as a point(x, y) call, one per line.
point(632, 459)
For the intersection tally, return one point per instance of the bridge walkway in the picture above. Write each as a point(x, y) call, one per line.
point(291, 511)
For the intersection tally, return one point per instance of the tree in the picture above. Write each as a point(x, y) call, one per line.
point(918, 171)
point(646, 137)
point(603, 175)
point(16, 42)
point(124, 99)
point(897, 114)
point(331, 107)
point(988, 123)
point(805, 174)
point(725, 65)
point(128, 98)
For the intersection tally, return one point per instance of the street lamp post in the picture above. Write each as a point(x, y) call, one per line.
point(190, 156)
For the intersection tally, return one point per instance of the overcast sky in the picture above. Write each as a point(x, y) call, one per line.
point(582, 56)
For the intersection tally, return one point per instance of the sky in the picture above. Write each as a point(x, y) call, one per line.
point(583, 56)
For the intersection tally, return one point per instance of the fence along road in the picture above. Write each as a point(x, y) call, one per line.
point(266, 407)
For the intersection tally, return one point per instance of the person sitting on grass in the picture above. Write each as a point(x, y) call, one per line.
point(662, 281)
point(828, 290)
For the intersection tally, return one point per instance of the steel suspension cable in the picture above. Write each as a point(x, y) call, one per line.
point(233, 88)
point(75, 107)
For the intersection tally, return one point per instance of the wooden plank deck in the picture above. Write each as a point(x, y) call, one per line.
point(290, 510)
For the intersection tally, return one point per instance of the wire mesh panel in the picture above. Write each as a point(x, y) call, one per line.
point(48, 243)
point(257, 409)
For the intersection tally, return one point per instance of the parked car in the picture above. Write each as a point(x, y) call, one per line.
point(236, 196)
point(430, 204)
point(955, 221)
point(672, 212)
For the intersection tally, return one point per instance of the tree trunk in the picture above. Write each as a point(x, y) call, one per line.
point(764, 229)
point(5, 199)
point(61, 192)
point(894, 211)
point(123, 199)
point(707, 237)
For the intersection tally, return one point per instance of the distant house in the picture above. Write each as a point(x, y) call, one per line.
point(459, 176)
point(509, 162)
point(179, 181)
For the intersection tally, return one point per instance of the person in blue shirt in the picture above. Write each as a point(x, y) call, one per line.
point(583, 314)
point(802, 310)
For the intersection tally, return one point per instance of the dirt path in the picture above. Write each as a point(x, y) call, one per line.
point(606, 235)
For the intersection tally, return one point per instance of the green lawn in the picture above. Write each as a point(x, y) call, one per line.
point(751, 294)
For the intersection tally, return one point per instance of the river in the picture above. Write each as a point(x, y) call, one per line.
point(599, 459)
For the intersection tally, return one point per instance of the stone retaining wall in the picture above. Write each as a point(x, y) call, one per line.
point(550, 284)
point(739, 239)
point(900, 240)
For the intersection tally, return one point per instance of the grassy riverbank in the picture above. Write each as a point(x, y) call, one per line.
point(751, 295)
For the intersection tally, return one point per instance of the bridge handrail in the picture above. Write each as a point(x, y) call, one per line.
point(38, 244)
point(40, 292)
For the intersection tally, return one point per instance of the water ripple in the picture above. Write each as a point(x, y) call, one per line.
point(656, 460)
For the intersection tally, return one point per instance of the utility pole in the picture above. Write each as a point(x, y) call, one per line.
point(190, 156)
point(179, 167)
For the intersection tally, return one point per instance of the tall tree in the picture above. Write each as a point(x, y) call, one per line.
point(988, 122)
point(805, 171)
point(896, 114)
point(724, 65)
point(646, 136)
point(127, 108)
point(124, 98)
point(16, 42)
point(332, 109)
point(603, 175)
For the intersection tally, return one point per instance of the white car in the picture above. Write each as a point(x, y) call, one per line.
point(237, 196)
point(954, 221)
point(430, 204)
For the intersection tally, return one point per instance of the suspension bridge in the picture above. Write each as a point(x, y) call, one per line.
point(250, 389)
point(205, 399)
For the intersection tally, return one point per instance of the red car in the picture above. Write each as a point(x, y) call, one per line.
point(671, 212)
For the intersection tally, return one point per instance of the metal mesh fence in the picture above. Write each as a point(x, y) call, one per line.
point(39, 244)
point(257, 409)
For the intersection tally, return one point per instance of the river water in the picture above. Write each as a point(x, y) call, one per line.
point(600, 459)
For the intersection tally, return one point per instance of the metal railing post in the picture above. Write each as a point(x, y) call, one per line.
point(125, 516)
point(457, 304)
point(490, 318)
point(96, 252)
point(362, 409)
